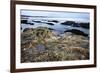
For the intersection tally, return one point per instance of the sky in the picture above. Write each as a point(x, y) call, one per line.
point(82, 16)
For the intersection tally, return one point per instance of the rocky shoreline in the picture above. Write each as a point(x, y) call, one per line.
point(42, 45)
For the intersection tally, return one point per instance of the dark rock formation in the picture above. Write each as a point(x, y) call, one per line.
point(23, 21)
point(77, 32)
point(31, 23)
point(85, 25)
point(50, 23)
point(68, 23)
point(55, 21)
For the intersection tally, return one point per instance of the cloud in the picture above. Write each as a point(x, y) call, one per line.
point(57, 14)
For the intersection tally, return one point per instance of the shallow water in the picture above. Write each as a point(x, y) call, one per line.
point(57, 26)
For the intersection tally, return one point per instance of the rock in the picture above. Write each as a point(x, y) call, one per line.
point(55, 21)
point(85, 25)
point(24, 21)
point(28, 29)
point(66, 34)
point(55, 33)
point(50, 28)
point(21, 28)
point(31, 23)
point(42, 32)
point(40, 47)
point(68, 23)
point(42, 44)
point(50, 23)
point(77, 32)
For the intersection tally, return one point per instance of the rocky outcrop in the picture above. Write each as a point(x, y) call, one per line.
point(50, 23)
point(42, 44)
point(68, 23)
point(24, 21)
point(77, 32)
point(85, 25)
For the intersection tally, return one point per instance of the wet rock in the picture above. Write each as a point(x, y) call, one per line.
point(31, 23)
point(68, 23)
point(85, 25)
point(77, 32)
point(50, 23)
point(24, 21)
point(55, 21)
point(50, 28)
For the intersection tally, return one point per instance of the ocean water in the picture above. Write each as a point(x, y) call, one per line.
point(56, 26)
